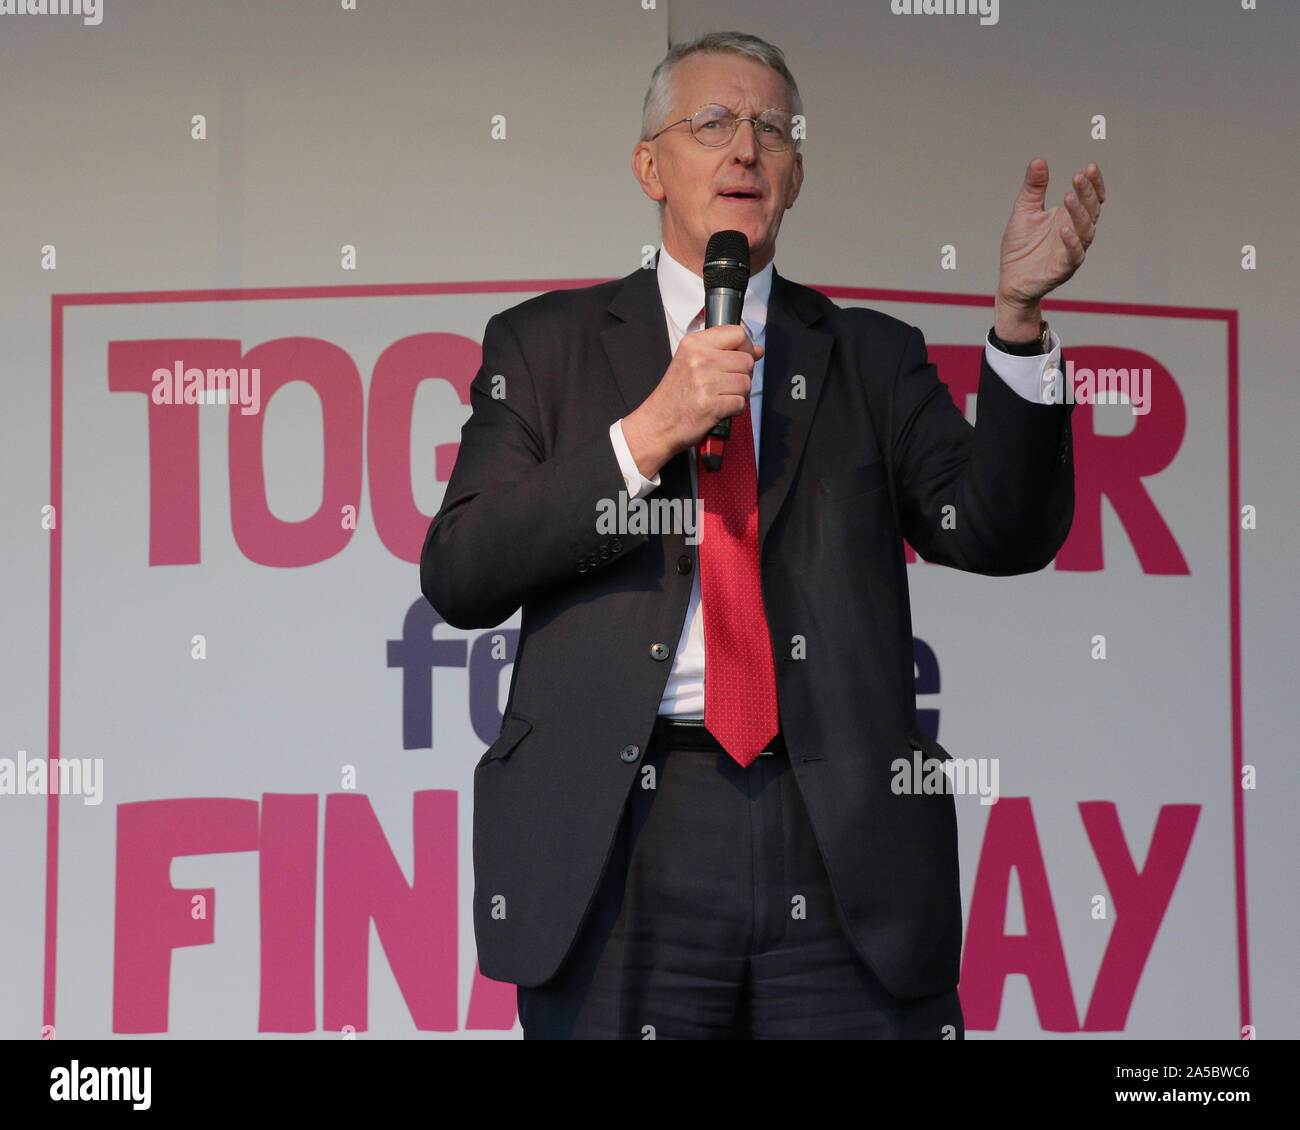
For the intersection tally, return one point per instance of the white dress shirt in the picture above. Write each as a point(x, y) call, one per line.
point(682, 292)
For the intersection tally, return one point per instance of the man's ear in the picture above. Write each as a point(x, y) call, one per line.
point(645, 169)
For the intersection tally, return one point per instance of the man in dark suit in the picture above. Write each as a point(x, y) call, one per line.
point(666, 847)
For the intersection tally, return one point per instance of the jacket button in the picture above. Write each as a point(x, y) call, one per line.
point(630, 752)
point(616, 545)
point(659, 651)
point(606, 553)
point(684, 564)
point(583, 567)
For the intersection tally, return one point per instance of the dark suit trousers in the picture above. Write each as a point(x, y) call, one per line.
point(714, 919)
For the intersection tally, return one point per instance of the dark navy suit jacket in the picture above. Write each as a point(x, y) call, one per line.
point(866, 450)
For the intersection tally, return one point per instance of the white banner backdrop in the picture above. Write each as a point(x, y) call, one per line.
point(284, 734)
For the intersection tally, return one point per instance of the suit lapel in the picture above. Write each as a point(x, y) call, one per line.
point(639, 353)
point(637, 345)
point(791, 349)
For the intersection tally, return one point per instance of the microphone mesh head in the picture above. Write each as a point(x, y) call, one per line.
point(726, 261)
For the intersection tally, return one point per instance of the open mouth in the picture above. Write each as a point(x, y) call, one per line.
point(739, 194)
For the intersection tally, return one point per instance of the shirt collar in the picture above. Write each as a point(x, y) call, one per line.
point(682, 292)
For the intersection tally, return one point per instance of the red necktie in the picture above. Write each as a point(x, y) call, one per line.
point(739, 675)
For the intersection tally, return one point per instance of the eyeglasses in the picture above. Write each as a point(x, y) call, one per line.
point(715, 126)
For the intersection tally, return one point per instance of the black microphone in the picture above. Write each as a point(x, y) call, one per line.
point(726, 276)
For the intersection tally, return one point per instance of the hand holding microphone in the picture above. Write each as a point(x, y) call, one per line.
point(709, 378)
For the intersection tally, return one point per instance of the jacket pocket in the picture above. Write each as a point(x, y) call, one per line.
point(514, 729)
point(858, 480)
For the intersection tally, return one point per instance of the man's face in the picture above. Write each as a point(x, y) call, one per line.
point(739, 186)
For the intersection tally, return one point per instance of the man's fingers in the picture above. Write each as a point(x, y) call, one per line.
point(1033, 191)
point(1084, 225)
point(1074, 249)
point(724, 340)
point(726, 337)
point(729, 410)
point(729, 379)
point(732, 361)
point(1094, 175)
point(1087, 193)
point(728, 398)
point(734, 407)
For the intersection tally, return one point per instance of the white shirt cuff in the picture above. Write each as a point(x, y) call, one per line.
point(638, 486)
point(1033, 378)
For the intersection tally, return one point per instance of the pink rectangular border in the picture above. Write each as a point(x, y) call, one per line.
point(59, 302)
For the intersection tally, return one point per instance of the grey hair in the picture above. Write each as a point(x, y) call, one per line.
point(659, 96)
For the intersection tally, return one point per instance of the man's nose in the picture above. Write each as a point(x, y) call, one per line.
point(744, 144)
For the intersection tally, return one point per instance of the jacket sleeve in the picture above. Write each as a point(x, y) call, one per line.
point(517, 518)
point(995, 498)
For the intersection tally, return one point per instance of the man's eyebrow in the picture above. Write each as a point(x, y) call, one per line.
point(760, 110)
